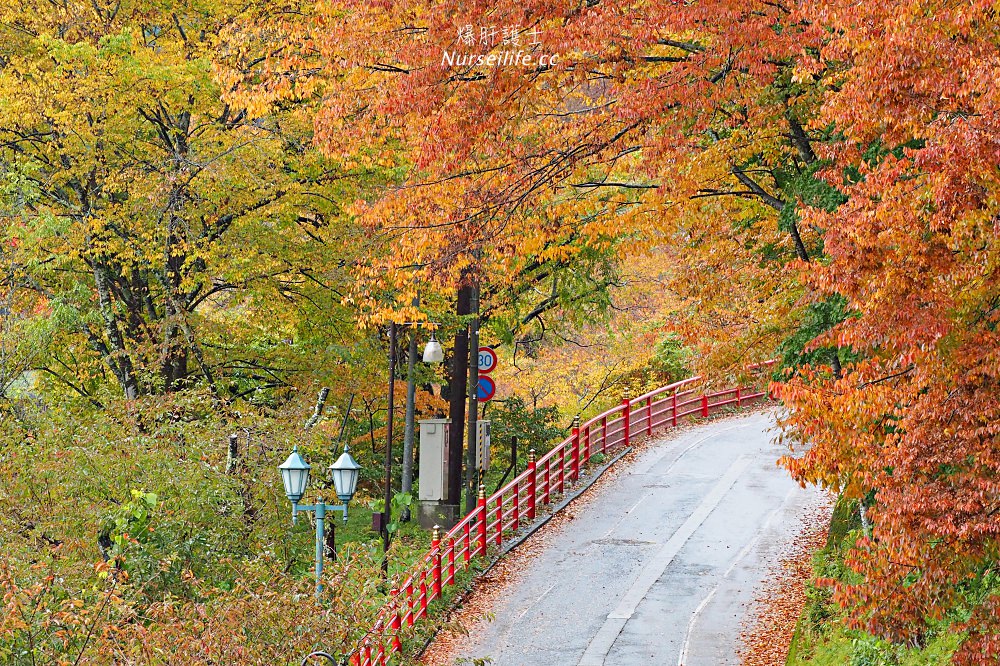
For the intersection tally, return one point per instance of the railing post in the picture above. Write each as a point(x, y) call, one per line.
point(481, 526)
point(737, 396)
point(575, 452)
point(585, 445)
point(500, 519)
point(408, 591)
point(649, 415)
point(561, 473)
point(516, 508)
point(626, 416)
point(451, 560)
point(704, 406)
point(395, 624)
point(436, 559)
point(467, 536)
point(532, 484)
point(423, 593)
point(674, 418)
point(604, 434)
point(547, 495)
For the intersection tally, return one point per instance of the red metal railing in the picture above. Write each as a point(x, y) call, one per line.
point(498, 517)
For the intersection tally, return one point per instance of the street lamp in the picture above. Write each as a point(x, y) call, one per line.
point(295, 477)
point(432, 354)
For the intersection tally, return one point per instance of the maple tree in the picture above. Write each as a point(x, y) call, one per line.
point(910, 427)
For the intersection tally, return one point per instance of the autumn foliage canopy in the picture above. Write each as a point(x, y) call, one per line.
point(825, 173)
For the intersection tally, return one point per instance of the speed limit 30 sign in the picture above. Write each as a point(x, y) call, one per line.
point(487, 360)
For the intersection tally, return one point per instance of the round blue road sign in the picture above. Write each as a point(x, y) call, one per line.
point(485, 389)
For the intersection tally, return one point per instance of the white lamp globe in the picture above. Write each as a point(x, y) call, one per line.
point(295, 475)
point(345, 475)
point(433, 352)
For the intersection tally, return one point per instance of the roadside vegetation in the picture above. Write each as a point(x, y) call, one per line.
point(821, 636)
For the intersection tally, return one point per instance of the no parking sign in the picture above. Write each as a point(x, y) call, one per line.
point(485, 389)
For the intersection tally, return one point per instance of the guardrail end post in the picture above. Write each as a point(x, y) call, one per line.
point(436, 548)
point(481, 526)
point(532, 483)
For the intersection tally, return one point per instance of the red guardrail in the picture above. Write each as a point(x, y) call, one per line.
point(498, 517)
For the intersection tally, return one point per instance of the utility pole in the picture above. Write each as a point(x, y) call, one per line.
point(411, 394)
point(471, 473)
point(456, 409)
point(387, 512)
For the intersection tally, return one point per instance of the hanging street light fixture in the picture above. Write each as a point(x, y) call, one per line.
point(433, 353)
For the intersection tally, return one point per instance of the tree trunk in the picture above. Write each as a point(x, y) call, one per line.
point(457, 385)
point(117, 358)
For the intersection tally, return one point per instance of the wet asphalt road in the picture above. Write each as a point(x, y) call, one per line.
point(661, 565)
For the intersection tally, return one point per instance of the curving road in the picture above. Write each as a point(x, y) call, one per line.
point(660, 566)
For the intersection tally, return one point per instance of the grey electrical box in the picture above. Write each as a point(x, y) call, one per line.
point(482, 448)
point(434, 460)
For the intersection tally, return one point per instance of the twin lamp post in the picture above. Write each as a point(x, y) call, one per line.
point(295, 471)
point(295, 477)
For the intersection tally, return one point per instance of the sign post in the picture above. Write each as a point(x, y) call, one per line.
point(486, 388)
